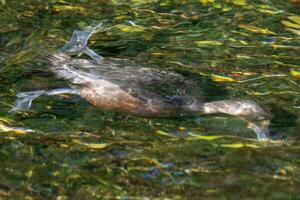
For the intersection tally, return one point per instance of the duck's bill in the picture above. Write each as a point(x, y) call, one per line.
point(261, 128)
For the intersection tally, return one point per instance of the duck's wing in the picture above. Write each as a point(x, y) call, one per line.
point(151, 84)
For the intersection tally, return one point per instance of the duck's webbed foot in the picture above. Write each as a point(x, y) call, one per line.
point(24, 99)
point(78, 44)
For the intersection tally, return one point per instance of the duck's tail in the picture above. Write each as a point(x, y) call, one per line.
point(66, 68)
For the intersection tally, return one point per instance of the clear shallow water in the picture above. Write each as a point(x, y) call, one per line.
point(79, 152)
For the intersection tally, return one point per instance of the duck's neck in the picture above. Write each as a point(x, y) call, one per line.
point(246, 109)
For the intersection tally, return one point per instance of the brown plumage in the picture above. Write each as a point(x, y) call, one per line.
point(123, 86)
point(120, 85)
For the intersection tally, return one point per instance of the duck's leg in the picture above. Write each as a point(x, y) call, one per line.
point(93, 55)
point(24, 99)
point(249, 111)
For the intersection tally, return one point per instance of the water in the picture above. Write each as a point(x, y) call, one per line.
point(63, 148)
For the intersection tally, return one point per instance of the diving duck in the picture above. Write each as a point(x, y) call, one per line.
point(121, 85)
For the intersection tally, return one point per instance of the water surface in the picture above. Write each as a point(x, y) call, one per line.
point(245, 49)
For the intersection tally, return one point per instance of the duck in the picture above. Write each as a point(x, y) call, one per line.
point(122, 85)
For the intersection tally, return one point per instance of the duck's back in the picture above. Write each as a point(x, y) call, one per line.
point(167, 91)
point(150, 83)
